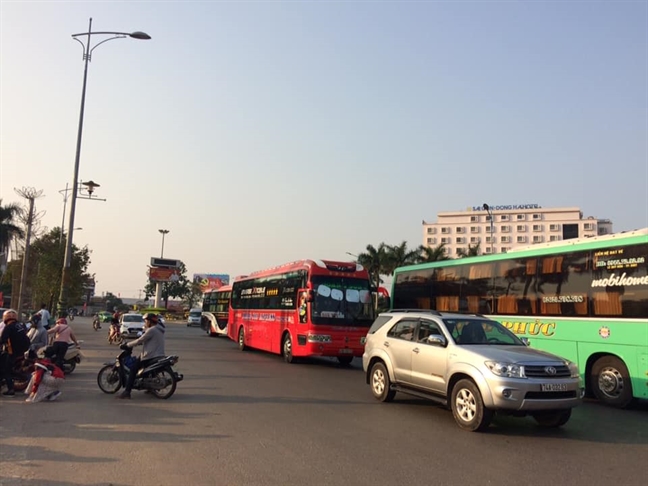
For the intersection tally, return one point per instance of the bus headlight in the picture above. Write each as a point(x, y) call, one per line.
point(319, 338)
point(507, 370)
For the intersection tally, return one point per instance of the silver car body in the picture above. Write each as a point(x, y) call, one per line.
point(546, 381)
point(131, 325)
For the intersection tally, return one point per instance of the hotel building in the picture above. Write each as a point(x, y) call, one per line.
point(512, 226)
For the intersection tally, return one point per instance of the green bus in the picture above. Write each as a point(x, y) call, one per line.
point(584, 299)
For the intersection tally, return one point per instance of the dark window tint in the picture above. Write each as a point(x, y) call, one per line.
point(403, 330)
point(378, 323)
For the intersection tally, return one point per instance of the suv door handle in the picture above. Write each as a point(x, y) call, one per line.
point(386, 344)
point(416, 350)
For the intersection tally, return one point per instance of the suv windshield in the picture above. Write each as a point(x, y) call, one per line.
point(477, 331)
point(341, 301)
point(195, 314)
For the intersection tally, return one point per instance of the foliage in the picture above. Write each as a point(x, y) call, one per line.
point(8, 227)
point(193, 296)
point(112, 302)
point(45, 267)
point(181, 288)
point(375, 261)
point(470, 252)
point(435, 254)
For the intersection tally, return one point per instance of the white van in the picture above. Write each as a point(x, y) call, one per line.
point(194, 317)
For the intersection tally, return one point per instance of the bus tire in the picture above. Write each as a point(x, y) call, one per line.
point(345, 360)
point(610, 382)
point(241, 339)
point(286, 349)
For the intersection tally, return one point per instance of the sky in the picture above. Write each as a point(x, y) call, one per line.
point(260, 133)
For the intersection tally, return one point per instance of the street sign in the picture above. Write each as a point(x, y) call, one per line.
point(164, 263)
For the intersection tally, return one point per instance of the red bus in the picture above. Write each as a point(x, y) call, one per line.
point(215, 311)
point(303, 308)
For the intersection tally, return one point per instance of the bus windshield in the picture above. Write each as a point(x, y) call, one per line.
point(340, 301)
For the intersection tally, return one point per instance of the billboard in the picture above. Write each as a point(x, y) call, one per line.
point(163, 274)
point(210, 281)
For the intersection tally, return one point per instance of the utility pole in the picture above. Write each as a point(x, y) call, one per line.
point(31, 195)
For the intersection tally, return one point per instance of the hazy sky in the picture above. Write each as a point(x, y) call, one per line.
point(264, 132)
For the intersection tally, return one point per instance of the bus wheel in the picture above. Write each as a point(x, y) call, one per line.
point(287, 349)
point(345, 360)
point(610, 382)
point(241, 339)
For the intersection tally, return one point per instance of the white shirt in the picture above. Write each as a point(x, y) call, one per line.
point(45, 316)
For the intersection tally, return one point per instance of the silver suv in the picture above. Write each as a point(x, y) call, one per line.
point(471, 363)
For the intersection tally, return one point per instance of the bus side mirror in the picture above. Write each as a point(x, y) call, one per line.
point(308, 294)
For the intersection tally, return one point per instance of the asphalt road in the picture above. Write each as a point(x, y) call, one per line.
point(250, 419)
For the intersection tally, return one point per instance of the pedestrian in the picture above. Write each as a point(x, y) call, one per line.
point(45, 315)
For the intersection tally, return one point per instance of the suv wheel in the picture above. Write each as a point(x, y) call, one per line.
point(468, 407)
point(552, 418)
point(381, 384)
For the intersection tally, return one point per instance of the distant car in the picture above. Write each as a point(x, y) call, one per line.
point(104, 316)
point(472, 364)
point(194, 317)
point(131, 325)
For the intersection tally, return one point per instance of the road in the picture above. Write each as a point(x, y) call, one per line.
point(250, 419)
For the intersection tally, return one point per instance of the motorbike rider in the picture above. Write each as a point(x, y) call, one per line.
point(114, 324)
point(14, 340)
point(153, 347)
point(63, 335)
point(37, 334)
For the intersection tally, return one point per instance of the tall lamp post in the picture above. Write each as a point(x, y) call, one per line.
point(164, 233)
point(489, 211)
point(87, 55)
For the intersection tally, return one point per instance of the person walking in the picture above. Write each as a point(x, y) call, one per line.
point(45, 315)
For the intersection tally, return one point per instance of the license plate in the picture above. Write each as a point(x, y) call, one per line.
point(553, 387)
point(346, 351)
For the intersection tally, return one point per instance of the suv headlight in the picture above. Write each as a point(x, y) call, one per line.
point(508, 370)
point(573, 369)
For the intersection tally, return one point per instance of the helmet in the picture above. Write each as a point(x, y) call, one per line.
point(149, 316)
point(9, 314)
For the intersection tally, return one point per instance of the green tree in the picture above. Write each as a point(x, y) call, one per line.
point(432, 254)
point(113, 302)
point(470, 252)
point(193, 296)
point(179, 288)
point(44, 273)
point(375, 260)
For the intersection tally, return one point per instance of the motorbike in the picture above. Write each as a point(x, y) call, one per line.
point(96, 323)
point(20, 372)
point(70, 361)
point(114, 337)
point(159, 377)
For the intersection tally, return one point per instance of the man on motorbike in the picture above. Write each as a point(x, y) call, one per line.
point(114, 325)
point(14, 340)
point(37, 334)
point(153, 347)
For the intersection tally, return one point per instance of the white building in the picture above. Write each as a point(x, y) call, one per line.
point(512, 226)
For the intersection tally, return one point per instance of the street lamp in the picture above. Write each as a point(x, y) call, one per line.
point(489, 211)
point(164, 233)
point(351, 254)
point(87, 55)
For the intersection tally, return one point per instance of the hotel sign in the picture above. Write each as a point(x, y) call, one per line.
point(507, 207)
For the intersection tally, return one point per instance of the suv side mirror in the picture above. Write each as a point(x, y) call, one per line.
point(437, 340)
point(526, 341)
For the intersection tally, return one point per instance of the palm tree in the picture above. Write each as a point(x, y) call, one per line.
point(400, 256)
point(375, 260)
point(8, 228)
point(470, 252)
point(432, 254)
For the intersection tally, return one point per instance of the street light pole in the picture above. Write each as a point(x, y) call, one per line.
point(489, 211)
point(87, 54)
point(164, 233)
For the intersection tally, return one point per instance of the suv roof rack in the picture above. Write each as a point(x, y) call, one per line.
point(429, 311)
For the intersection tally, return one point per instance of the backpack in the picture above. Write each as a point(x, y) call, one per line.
point(19, 341)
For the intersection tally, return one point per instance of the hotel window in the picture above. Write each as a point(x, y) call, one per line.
point(445, 230)
point(537, 217)
point(474, 239)
point(490, 239)
point(504, 217)
point(554, 227)
point(474, 229)
point(537, 227)
point(537, 239)
point(488, 218)
point(431, 241)
point(554, 238)
point(589, 226)
point(490, 229)
point(506, 239)
point(505, 249)
point(521, 217)
point(521, 239)
point(445, 240)
point(459, 229)
point(505, 228)
point(431, 231)
point(487, 249)
point(521, 228)
point(458, 251)
point(474, 219)
point(602, 231)
point(459, 240)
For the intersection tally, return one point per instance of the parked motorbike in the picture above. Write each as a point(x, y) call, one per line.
point(70, 361)
point(21, 373)
point(159, 377)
